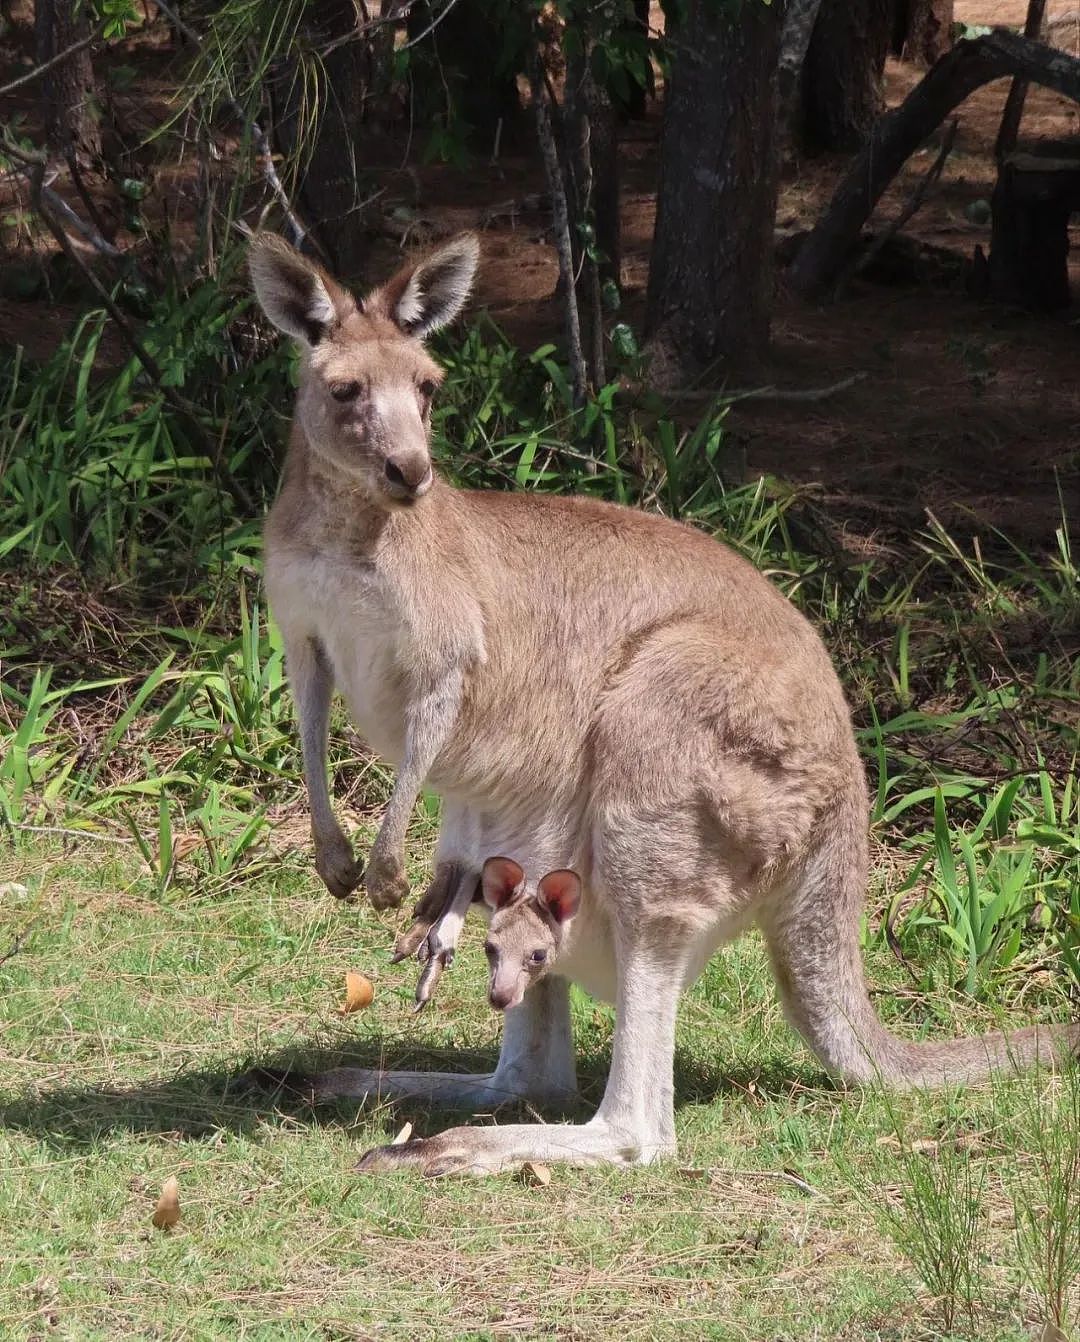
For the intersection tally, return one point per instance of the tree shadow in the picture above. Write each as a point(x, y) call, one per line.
point(246, 1099)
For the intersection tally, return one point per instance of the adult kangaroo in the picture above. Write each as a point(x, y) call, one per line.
point(587, 687)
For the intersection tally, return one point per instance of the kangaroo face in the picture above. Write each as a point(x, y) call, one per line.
point(527, 926)
point(366, 381)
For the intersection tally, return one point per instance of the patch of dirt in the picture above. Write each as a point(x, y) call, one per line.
point(966, 407)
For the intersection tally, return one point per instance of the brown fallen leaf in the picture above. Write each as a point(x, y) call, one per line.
point(403, 1136)
point(535, 1175)
point(167, 1211)
point(358, 993)
point(184, 844)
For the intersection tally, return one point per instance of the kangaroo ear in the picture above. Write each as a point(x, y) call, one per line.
point(560, 893)
point(424, 298)
point(502, 880)
point(297, 295)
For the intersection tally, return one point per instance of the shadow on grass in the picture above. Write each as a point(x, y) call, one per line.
point(193, 1105)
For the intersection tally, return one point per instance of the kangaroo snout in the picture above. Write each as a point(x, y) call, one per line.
point(408, 477)
point(504, 998)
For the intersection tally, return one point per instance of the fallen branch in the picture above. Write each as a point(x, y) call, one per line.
point(968, 66)
point(914, 203)
point(794, 395)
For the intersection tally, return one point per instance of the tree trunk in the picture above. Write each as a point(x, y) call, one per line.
point(842, 92)
point(922, 30)
point(711, 277)
point(69, 91)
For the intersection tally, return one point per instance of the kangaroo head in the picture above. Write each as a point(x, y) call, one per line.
point(366, 382)
point(527, 926)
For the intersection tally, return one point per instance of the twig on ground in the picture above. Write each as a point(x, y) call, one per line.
point(768, 393)
point(74, 833)
point(17, 945)
point(784, 1176)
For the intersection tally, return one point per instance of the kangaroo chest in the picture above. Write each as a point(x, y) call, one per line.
point(351, 611)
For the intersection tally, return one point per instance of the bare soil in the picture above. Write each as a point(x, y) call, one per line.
point(966, 408)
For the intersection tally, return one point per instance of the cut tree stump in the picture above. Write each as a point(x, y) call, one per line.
point(1038, 188)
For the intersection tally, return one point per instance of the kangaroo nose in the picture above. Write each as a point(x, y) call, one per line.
point(499, 999)
point(408, 477)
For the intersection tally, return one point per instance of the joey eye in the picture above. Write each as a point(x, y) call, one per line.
point(345, 391)
point(537, 957)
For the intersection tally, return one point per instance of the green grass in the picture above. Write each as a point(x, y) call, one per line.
point(125, 1019)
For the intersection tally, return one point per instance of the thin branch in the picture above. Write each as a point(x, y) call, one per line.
point(562, 228)
point(27, 163)
point(58, 59)
point(258, 135)
point(149, 363)
point(1014, 103)
point(432, 25)
point(395, 12)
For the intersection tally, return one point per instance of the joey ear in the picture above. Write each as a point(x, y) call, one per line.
point(424, 298)
point(560, 893)
point(296, 294)
point(502, 880)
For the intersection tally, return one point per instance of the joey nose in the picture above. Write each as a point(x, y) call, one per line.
point(500, 999)
point(408, 477)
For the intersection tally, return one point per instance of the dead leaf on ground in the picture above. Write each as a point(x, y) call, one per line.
point(186, 844)
point(167, 1211)
point(359, 992)
point(535, 1175)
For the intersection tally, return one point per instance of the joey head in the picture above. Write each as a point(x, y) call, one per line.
point(528, 926)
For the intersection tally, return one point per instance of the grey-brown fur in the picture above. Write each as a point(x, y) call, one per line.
point(586, 686)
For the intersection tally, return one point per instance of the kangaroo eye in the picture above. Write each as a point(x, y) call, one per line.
point(489, 949)
point(537, 957)
point(345, 391)
point(427, 389)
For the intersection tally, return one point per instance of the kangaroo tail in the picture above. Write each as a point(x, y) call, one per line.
point(813, 941)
